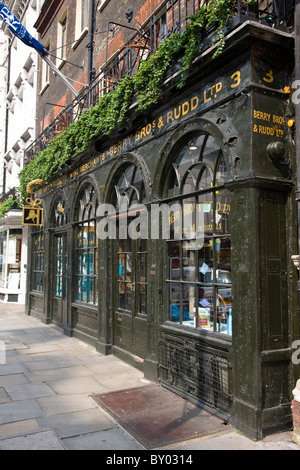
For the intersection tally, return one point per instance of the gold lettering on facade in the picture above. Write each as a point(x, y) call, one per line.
point(273, 123)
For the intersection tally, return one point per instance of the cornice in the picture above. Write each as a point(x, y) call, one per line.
point(47, 13)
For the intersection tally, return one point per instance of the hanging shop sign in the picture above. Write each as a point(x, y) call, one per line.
point(33, 213)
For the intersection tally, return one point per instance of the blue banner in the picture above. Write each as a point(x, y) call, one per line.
point(19, 30)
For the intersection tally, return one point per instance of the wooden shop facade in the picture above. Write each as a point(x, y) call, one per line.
point(169, 243)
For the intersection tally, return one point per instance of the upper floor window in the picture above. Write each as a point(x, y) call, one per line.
point(45, 70)
point(82, 20)
point(62, 39)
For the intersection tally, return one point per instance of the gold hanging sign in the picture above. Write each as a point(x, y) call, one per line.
point(33, 213)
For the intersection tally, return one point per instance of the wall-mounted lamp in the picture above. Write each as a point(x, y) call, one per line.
point(277, 151)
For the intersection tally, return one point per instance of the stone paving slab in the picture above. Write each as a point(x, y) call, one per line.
point(117, 381)
point(49, 364)
point(58, 404)
point(73, 386)
point(40, 348)
point(77, 423)
point(46, 440)
point(14, 379)
point(56, 374)
point(110, 440)
point(31, 390)
point(19, 428)
point(19, 410)
point(4, 398)
point(12, 346)
point(8, 369)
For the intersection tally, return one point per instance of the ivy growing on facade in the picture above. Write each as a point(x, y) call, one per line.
point(110, 111)
point(10, 203)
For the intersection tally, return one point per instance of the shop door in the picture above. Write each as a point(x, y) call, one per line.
point(130, 322)
point(60, 306)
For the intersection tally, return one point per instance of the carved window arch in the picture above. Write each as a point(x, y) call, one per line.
point(129, 188)
point(60, 212)
point(86, 246)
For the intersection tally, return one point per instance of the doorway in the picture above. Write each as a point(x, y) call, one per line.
point(130, 262)
point(130, 319)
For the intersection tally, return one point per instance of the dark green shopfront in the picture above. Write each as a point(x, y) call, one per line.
point(169, 243)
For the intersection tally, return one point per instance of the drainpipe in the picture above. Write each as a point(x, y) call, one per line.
point(90, 45)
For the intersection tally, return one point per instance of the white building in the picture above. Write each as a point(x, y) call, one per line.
point(18, 111)
point(3, 92)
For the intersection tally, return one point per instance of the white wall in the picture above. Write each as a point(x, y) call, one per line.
point(3, 75)
point(21, 97)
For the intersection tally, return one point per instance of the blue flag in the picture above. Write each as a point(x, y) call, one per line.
point(19, 30)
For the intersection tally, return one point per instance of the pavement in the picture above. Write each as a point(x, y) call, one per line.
point(47, 380)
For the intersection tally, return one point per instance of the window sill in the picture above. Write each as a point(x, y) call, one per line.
point(78, 41)
point(83, 305)
point(44, 88)
point(60, 64)
point(36, 293)
point(103, 4)
point(213, 337)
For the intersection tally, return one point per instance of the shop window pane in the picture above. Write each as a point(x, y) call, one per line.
point(129, 188)
point(189, 304)
point(91, 262)
point(221, 171)
point(174, 261)
point(121, 294)
point(174, 295)
point(205, 308)
point(188, 265)
point(211, 152)
point(142, 266)
point(121, 266)
point(205, 261)
point(223, 260)
point(87, 244)
point(224, 309)
point(142, 299)
point(199, 261)
point(206, 178)
point(91, 234)
point(128, 267)
point(189, 220)
point(90, 289)
point(128, 303)
point(223, 208)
